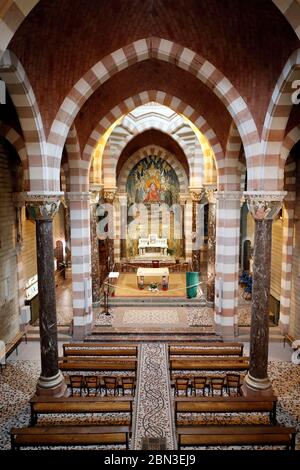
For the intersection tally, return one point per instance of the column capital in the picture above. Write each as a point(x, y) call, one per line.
point(109, 194)
point(264, 205)
point(183, 198)
point(196, 193)
point(42, 206)
point(95, 192)
point(210, 193)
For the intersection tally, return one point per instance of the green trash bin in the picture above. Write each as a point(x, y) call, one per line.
point(192, 279)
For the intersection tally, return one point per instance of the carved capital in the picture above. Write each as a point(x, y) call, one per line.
point(210, 193)
point(183, 198)
point(95, 192)
point(42, 207)
point(264, 205)
point(196, 193)
point(109, 195)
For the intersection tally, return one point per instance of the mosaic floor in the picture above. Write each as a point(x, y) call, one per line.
point(153, 415)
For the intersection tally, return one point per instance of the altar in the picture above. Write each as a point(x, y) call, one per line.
point(153, 244)
point(162, 273)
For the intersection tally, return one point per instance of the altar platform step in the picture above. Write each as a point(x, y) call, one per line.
point(107, 334)
point(156, 301)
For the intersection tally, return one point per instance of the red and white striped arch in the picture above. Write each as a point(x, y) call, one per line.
point(41, 170)
point(275, 124)
point(162, 98)
point(17, 141)
point(13, 12)
point(167, 51)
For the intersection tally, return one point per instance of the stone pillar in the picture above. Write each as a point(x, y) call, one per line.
point(182, 201)
point(263, 207)
point(96, 281)
point(81, 263)
point(42, 209)
point(210, 191)
point(109, 197)
point(227, 263)
point(288, 214)
point(67, 232)
point(123, 225)
point(196, 195)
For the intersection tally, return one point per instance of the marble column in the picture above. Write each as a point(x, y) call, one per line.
point(109, 197)
point(196, 195)
point(96, 281)
point(42, 210)
point(123, 225)
point(210, 192)
point(182, 201)
point(263, 207)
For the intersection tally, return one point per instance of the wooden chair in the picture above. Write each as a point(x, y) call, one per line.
point(217, 385)
point(181, 384)
point(92, 385)
point(200, 383)
point(110, 383)
point(77, 384)
point(128, 383)
point(233, 383)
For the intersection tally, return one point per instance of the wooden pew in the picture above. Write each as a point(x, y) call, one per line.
point(97, 364)
point(82, 349)
point(77, 405)
point(236, 435)
point(237, 404)
point(69, 436)
point(211, 363)
point(203, 350)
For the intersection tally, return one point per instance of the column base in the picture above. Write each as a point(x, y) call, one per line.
point(81, 331)
point(256, 384)
point(51, 386)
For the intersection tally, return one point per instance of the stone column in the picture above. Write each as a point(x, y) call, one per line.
point(196, 195)
point(96, 281)
point(210, 192)
point(109, 197)
point(42, 209)
point(182, 202)
point(123, 225)
point(263, 207)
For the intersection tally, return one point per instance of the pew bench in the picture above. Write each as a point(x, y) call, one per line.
point(235, 435)
point(239, 404)
point(77, 405)
point(211, 363)
point(69, 436)
point(80, 349)
point(206, 351)
point(97, 364)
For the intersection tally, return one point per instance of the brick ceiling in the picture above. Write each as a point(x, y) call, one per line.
point(249, 41)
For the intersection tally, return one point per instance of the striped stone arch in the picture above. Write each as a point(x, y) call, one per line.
point(13, 12)
point(289, 141)
point(291, 10)
point(17, 141)
point(229, 175)
point(146, 152)
point(110, 158)
point(168, 51)
point(275, 124)
point(41, 171)
point(162, 98)
point(78, 168)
